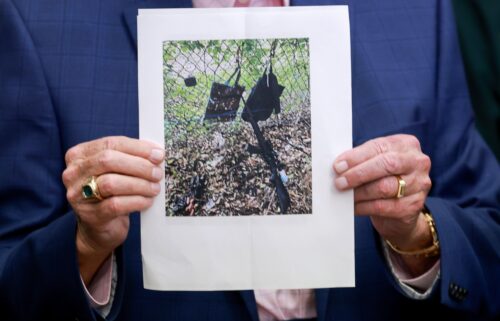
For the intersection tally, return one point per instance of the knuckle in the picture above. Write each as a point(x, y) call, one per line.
point(387, 187)
point(356, 177)
point(113, 206)
point(391, 163)
point(113, 142)
point(67, 176)
point(381, 145)
point(106, 185)
point(70, 195)
point(71, 154)
point(109, 143)
point(120, 138)
point(81, 167)
point(426, 184)
point(379, 206)
point(412, 141)
point(426, 162)
point(105, 159)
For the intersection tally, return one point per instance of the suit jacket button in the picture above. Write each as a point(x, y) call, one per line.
point(456, 292)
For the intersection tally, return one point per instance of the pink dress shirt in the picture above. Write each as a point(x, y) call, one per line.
point(271, 304)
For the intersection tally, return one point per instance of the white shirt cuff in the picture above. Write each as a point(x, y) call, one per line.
point(419, 287)
point(100, 291)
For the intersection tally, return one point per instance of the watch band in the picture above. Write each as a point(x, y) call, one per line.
point(430, 251)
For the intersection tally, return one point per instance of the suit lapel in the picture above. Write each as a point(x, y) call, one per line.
point(249, 299)
point(321, 302)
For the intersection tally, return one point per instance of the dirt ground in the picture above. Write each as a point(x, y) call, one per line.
point(222, 174)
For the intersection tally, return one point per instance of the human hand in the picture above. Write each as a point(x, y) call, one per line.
point(371, 169)
point(127, 173)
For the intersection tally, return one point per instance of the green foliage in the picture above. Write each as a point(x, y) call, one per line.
point(215, 61)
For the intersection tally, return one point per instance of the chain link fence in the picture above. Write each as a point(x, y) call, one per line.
point(210, 170)
point(212, 61)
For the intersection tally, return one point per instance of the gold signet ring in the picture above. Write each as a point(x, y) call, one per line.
point(90, 190)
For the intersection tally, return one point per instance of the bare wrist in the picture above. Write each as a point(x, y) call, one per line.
point(89, 259)
point(419, 238)
point(420, 250)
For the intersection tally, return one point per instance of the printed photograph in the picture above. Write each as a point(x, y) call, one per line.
point(237, 121)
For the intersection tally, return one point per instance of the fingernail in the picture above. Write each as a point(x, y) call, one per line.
point(341, 167)
point(157, 155)
point(156, 173)
point(341, 182)
point(155, 187)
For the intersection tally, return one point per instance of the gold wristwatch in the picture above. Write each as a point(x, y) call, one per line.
point(430, 251)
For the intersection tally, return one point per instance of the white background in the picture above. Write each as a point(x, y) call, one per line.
point(255, 252)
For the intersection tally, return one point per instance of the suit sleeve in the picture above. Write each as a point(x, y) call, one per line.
point(39, 277)
point(464, 200)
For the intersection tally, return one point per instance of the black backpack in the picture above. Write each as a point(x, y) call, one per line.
point(264, 97)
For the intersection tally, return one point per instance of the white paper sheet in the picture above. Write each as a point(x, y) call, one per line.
point(255, 252)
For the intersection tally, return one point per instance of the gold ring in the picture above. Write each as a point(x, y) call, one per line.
point(401, 187)
point(90, 190)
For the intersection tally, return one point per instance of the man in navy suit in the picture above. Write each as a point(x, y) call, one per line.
point(68, 108)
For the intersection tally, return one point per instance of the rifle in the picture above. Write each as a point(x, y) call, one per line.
point(269, 156)
point(262, 101)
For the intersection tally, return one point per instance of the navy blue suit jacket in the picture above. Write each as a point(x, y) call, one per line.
point(68, 74)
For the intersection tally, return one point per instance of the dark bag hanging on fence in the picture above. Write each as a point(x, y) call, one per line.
point(224, 99)
point(190, 81)
point(264, 97)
